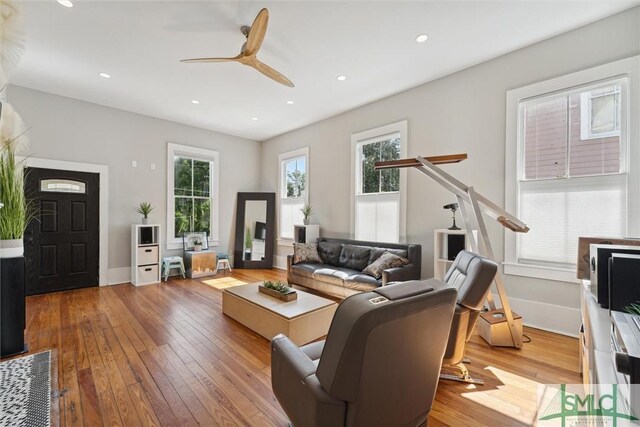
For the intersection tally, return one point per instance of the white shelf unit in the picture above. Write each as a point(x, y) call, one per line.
point(441, 261)
point(145, 254)
point(306, 233)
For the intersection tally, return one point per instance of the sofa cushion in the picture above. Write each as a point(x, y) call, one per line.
point(306, 252)
point(330, 252)
point(387, 260)
point(355, 257)
point(377, 253)
point(352, 281)
point(334, 275)
point(307, 270)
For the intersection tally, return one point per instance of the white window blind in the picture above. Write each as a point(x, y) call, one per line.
point(377, 217)
point(290, 215)
point(560, 211)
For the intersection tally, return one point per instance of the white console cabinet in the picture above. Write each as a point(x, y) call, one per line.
point(145, 254)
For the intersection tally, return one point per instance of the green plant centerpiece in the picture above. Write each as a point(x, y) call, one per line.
point(278, 290)
point(307, 211)
point(144, 209)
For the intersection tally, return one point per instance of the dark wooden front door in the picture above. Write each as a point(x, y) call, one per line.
point(61, 245)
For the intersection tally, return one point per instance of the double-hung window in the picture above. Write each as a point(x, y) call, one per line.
point(378, 206)
point(572, 174)
point(293, 190)
point(192, 196)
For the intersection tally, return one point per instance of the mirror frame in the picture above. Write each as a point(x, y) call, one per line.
point(243, 198)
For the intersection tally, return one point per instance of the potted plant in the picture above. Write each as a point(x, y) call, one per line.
point(278, 290)
point(307, 212)
point(144, 209)
point(197, 244)
point(16, 211)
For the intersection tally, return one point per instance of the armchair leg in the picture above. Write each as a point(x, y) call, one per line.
point(463, 376)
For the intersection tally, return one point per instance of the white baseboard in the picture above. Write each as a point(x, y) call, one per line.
point(549, 317)
point(280, 262)
point(119, 275)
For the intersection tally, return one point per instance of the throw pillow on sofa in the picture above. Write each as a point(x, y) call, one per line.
point(386, 260)
point(306, 252)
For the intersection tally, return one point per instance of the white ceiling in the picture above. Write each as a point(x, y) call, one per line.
point(373, 43)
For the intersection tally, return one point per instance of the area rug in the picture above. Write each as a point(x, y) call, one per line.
point(25, 391)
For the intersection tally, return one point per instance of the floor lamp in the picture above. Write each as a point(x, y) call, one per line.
point(472, 206)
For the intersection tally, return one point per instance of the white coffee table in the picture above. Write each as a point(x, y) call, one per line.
point(303, 320)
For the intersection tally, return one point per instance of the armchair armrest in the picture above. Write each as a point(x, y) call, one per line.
point(297, 388)
point(400, 274)
point(286, 356)
point(289, 262)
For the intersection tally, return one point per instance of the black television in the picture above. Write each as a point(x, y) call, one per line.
point(261, 231)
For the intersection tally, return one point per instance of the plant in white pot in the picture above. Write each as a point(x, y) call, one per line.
point(17, 210)
point(144, 209)
point(197, 244)
point(307, 211)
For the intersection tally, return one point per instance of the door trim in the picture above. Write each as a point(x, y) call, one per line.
point(103, 221)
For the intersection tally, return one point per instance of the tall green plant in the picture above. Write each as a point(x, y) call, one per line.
point(17, 210)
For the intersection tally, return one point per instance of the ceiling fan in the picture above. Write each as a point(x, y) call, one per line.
point(254, 34)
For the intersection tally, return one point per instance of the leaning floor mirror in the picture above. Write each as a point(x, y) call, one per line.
point(255, 230)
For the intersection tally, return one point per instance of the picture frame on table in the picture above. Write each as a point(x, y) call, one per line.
point(189, 237)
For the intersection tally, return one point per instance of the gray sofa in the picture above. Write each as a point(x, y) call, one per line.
point(341, 274)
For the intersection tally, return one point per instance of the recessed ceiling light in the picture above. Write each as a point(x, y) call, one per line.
point(105, 75)
point(254, 119)
point(65, 3)
point(422, 38)
point(342, 78)
point(195, 101)
point(290, 102)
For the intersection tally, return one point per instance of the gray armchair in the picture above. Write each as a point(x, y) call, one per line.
point(379, 364)
point(472, 276)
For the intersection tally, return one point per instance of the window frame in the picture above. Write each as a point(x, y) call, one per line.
point(282, 159)
point(630, 153)
point(214, 193)
point(372, 136)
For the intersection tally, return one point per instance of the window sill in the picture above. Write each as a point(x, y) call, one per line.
point(171, 246)
point(540, 272)
point(284, 242)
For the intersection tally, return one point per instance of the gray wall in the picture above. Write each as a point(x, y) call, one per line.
point(71, 130)
point(462, 112)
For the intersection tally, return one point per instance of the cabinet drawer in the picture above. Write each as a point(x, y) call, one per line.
point(147, 255)
point(148, 274)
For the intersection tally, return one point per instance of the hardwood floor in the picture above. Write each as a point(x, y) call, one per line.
point(165, 355)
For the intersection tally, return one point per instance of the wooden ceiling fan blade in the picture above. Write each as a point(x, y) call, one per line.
point(196, 60)
point(272, 74)
point(257, 33)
